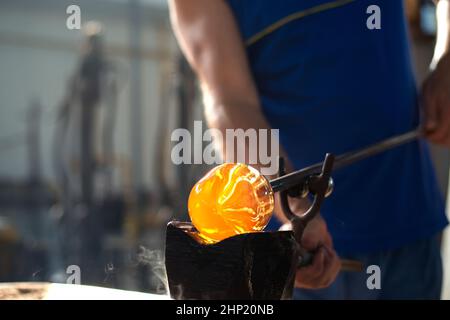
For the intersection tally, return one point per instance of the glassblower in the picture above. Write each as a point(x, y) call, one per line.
point(223, 253)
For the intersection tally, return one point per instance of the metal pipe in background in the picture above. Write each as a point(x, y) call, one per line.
point(34, 142)
point(136, 93)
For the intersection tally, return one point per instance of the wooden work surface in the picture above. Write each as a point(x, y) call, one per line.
point(58, 291)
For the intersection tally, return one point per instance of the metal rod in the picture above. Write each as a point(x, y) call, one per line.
point(297, 177)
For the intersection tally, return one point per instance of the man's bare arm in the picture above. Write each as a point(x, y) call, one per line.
point(209, 38)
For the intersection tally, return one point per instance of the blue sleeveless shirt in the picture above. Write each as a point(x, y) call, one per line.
point(330, 84)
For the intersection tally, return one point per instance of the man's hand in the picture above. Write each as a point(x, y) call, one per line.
point(316, 238)
point(436, 103)
point(326, 264)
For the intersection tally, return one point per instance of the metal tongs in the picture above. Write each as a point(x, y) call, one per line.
point(317, 181)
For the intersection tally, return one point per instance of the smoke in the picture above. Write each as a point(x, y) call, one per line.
point(154, 259)
point(178, 292)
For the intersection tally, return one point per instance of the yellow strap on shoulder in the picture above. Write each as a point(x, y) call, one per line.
point(294, 16)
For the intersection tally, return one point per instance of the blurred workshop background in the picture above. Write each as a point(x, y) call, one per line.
point(86, 115)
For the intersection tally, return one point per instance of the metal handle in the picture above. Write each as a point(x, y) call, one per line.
point(319, 185)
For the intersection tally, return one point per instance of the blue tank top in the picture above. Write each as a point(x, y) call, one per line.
point(332, 85)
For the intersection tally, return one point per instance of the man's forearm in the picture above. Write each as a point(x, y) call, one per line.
point(443, 31)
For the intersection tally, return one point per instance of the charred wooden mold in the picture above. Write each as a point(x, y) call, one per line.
point(248, 266)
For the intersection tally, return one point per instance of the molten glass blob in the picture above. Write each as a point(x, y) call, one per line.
point(231, 199)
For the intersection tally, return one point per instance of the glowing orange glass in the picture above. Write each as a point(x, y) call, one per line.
point(230, 199)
